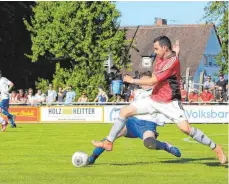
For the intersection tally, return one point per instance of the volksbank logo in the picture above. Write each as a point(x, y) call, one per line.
point(206, 114)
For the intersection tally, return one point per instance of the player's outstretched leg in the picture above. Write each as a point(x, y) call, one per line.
point(200, 137)
point(152, 143)
point(117, 127)
point(96, 153)
point(10, 117)
point(107, 144)
point(172, 149)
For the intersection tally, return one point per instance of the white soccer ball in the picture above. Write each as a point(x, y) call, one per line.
point(79, 159)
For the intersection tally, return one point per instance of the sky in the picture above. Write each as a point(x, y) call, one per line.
point(135, 13)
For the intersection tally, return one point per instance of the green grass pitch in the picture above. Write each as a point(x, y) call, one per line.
point(41, 154)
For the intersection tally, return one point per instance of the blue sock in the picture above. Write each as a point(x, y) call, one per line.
point(97, 152)
point(161, 145)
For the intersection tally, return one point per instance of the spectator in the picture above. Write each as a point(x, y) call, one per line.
point(221, 82)
point(126, 93)
point(31, 98)
point(70, 95)
point(183, 93)
point(83, 98)
point(102, 96)
point(13, 97)
point(51, 94)
point(206, 96)
point(227, 92)
point(39, 97)
point(193, 96)
point(221, 95)
point(209, 83)
point(21, 97)
point(60, 95)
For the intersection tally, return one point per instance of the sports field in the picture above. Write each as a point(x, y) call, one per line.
point(41, 153)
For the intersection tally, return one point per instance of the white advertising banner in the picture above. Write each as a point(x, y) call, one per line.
point(194, 113)
point(74, 114)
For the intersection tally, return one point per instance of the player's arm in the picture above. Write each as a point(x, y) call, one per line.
point(161, 76)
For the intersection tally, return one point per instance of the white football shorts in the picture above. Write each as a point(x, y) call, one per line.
point(172, 110)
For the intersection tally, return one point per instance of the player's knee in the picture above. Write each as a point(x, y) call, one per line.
point(150, 143)
point(127, 111)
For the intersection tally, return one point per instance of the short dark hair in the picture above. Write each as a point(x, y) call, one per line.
point(164, 41)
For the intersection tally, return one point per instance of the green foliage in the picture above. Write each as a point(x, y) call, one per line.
point(217, 11)
point(42, 84)
point(81, 33)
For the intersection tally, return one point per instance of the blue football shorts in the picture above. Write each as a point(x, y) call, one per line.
point(136, 127)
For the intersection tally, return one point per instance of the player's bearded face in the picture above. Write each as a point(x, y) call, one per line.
point(158, 50)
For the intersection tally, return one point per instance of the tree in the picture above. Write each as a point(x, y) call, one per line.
point(217, 11)
point(80, 36)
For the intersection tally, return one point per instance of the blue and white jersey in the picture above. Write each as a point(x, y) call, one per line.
point(4, 87)
point(70, 96)
point(140, 94)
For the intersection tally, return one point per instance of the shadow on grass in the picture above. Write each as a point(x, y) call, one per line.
point(197, 160)
point(178, 161)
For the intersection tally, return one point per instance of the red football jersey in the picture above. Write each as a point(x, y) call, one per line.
point(167, 72)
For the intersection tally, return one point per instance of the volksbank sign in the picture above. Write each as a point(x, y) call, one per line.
point(207, 113)
point(194, 113)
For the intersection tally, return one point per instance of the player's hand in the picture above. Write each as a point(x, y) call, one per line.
point(128, 79)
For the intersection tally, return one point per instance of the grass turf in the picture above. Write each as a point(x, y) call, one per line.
point(41, 153)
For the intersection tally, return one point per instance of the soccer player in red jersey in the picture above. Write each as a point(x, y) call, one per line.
point(165, 99)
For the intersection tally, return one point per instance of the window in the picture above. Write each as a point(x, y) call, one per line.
point(209, 60)
point(146, 62)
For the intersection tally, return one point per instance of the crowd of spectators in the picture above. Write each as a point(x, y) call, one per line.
point(211, 92)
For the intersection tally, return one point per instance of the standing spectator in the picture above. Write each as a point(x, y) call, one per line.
point(60, 95)
point(227, 92)
point(183, 93)
point(206, 96)
point(126, 93)
point(21, 97)
point(13, 97)
point(209, 83)
point(51, 94)
point(70, 95)
point(31, 98)
point(83, 98)
point(221, 82)
point(221, 95)
point(102, 96)
point(193, 96)
point(39, 96)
